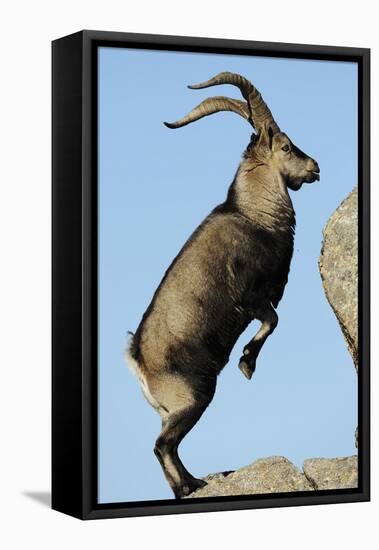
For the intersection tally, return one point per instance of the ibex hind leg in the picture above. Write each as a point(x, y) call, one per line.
point(175, 427)
point(176, 423)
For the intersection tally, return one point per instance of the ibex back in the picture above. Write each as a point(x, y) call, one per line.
point(233, 269)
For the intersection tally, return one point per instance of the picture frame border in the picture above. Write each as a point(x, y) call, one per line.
point(74, 273)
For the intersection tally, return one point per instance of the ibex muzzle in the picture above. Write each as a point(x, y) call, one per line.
point(233, 269)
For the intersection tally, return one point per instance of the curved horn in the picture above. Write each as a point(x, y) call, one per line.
point(213, 105)
point(260, 113)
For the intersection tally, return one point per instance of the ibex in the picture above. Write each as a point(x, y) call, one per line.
point(232, 270)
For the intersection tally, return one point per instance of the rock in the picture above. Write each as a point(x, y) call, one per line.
point(332, 473)
point(339, 268)
point(277, 474)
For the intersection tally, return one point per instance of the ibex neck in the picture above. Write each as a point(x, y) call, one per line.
point(262, 196)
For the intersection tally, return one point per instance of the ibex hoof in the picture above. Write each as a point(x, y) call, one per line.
point(246, 368)
point(189, 487)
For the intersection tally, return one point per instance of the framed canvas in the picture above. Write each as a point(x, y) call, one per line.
point(178, 271)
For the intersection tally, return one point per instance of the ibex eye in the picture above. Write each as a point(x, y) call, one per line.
point(285, 148)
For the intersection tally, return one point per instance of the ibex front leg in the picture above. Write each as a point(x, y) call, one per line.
point(269, 319)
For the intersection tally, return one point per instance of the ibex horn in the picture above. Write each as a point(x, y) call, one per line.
point(260, 114)
point(213, 105)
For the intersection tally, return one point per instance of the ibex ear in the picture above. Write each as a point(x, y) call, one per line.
point(266, 136)
point(270, 133)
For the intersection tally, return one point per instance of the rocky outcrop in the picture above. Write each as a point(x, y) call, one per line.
point(332, 473)
point(277, 474)
point(338, 265)
point(339, 268)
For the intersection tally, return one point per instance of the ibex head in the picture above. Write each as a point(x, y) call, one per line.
point(269, 145)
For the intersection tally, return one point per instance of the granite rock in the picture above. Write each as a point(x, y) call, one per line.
point(339, 268)
point(332, 473)
point(276, 474)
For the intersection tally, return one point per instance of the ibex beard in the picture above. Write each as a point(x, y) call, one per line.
point(232, 270)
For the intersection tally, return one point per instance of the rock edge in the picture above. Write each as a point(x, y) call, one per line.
point(277, 474)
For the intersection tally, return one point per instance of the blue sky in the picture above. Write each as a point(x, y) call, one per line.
point(155, 186)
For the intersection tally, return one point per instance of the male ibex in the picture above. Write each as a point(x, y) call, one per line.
point(233, 269)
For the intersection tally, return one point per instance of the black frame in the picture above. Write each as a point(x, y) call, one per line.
point(74, 332)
